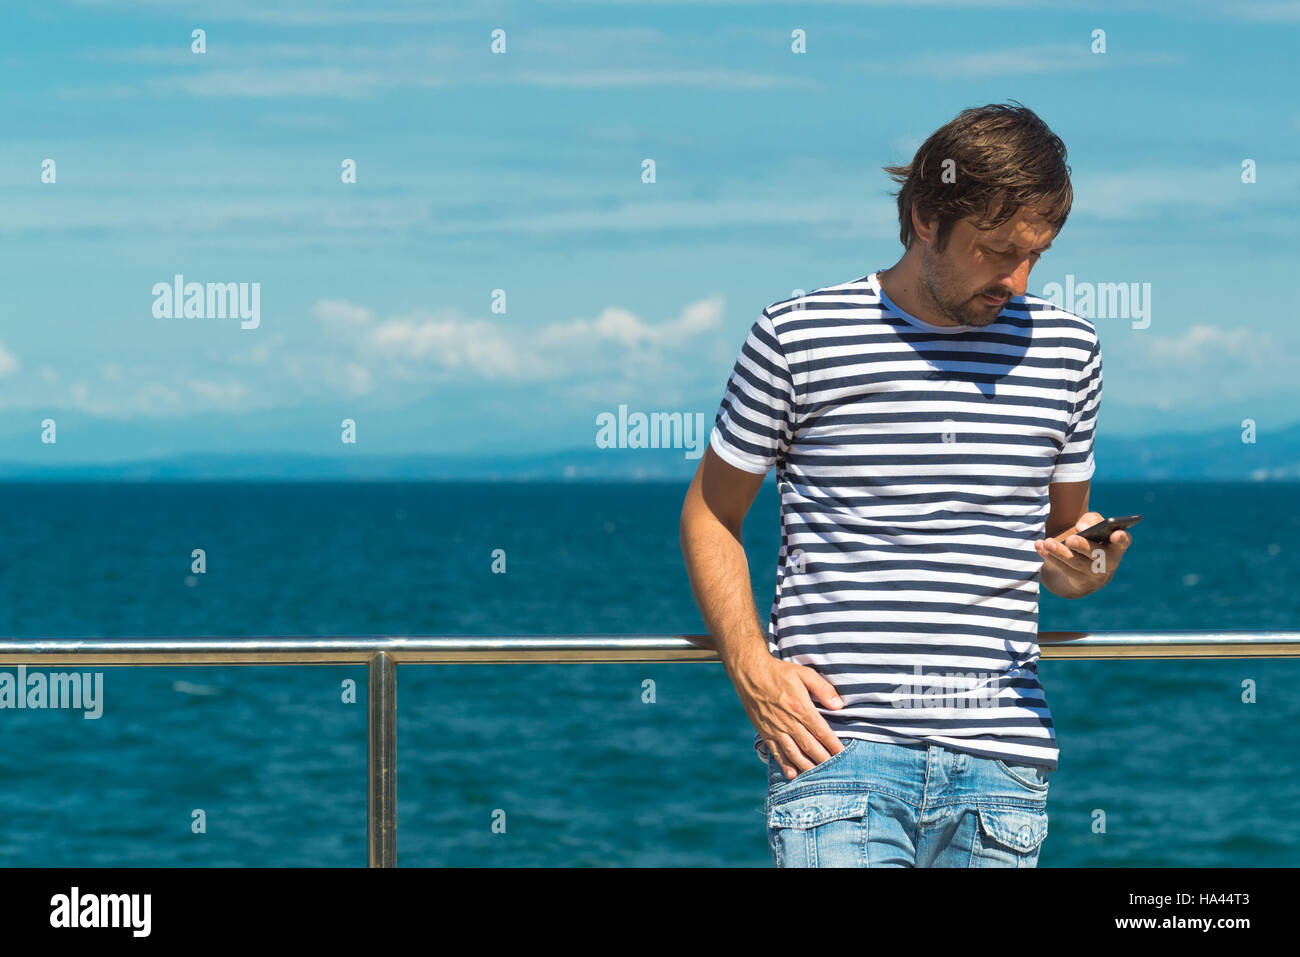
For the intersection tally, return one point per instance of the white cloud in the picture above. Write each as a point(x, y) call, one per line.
point(265, 83)
point(112, 390)
point(445, 344)
point(483, 349)
point(769, 205)
point(359, 380)
point(257, 354)
point(1144, 193)
point(8, 362)
point(711, 79)
point(561, 57)
point(315, 373)
point(1267, 11)
point(255, 197)
point(1017, 61)
point(625, 328)
point(341, 311)
point(1203, 343)
point(315, 13)
point(352, 83)
point(220, 394)
point(150, 399)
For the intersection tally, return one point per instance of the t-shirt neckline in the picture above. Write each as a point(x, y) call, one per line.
point(874, 282)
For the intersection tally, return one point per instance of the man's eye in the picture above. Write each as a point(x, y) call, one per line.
point(1008, 252)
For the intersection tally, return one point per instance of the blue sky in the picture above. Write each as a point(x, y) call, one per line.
point(522, 172)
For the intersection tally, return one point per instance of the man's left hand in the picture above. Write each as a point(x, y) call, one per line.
point(1071, 569)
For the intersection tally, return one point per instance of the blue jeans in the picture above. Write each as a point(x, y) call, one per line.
point(906, 805)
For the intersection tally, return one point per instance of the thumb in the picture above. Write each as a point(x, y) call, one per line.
point(822, 689)
point(1087, 520)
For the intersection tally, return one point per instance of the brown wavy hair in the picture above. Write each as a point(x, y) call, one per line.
point(1005, 158)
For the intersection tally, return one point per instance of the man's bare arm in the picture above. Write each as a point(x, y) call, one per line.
point(774, 693)
point(712, 517)
point(1068, 503)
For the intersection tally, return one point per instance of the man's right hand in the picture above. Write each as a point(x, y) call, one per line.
point(777, 696)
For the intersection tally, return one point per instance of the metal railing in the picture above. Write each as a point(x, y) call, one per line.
point(382, 655)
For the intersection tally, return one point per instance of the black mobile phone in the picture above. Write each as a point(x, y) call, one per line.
point(1101, 531)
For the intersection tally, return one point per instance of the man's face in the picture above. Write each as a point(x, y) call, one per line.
point(979, 270)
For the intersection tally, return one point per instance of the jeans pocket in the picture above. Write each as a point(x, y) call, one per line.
point(776, 777)
point(1008, 836)
point(1031, 777)
point(819, 830)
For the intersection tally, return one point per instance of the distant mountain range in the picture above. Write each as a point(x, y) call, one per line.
point(1211, 455)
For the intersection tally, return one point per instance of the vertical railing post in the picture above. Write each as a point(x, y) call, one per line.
point(381, 755)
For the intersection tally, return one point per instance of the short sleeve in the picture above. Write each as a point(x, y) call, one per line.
point(755, 423)
point(1074, 463)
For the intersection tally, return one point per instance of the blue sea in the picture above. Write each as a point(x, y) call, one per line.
point(580, 768)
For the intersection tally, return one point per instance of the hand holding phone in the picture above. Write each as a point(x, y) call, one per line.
point(1100, 533)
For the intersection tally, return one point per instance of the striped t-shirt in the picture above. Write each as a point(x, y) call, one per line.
point(913, 464)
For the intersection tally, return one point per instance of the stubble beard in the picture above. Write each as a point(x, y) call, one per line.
point(939, 283)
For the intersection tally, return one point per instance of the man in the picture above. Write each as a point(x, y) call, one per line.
point(932, 428)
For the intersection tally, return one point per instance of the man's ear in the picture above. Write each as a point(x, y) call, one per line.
point(924, 230)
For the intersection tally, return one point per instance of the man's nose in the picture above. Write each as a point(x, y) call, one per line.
point(1018, 281)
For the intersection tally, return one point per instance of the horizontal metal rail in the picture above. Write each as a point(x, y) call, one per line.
point(336, 650)
point(382, 654)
